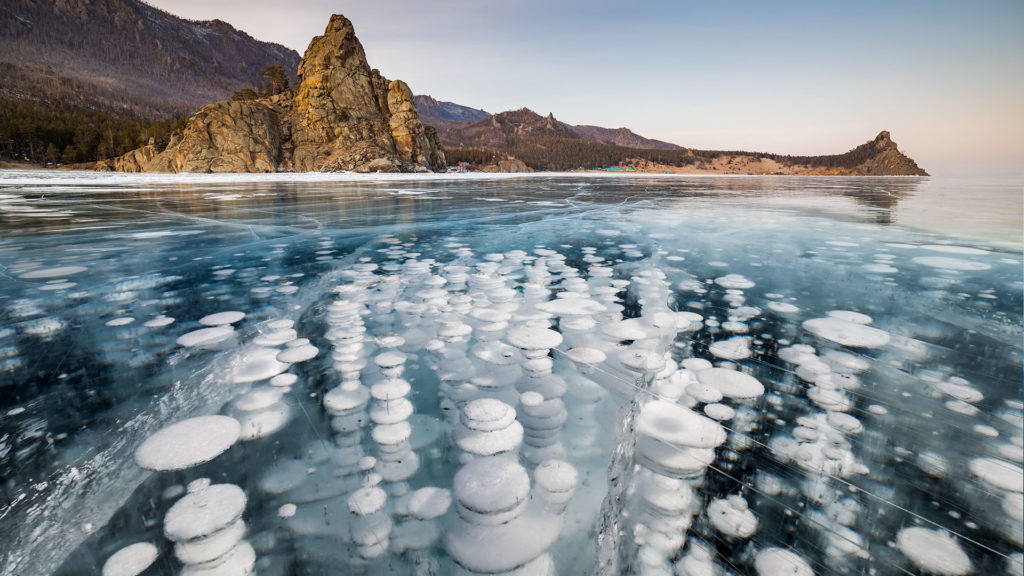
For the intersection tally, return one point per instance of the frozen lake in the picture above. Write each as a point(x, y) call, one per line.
point(530, 375)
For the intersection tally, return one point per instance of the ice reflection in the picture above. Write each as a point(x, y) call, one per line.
point(721, 375)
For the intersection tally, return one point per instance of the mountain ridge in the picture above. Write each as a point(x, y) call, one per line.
point(127, 56)
point(451, 119)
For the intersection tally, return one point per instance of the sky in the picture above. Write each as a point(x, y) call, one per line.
point(945, 78)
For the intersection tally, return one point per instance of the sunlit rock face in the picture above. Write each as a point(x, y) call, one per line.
point(341, 116)
point(478, 390)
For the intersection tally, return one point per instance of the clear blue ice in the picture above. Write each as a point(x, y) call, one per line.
point(509, 375)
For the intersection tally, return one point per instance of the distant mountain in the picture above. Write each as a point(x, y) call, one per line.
point(500, 130)
point(461, 126)
point(439, 112)
point(125, 56)
point(541, 143)
point(621, 137)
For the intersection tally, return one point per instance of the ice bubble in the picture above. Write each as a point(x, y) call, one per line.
point(498, 353)
point(846, 363)
point(644, 361)
point(1013, 505)
point(298, 354)
point(847, 333)
point(283, 380)
point(221, 318)
point(571, 307)
point(934, 551)
point(429, 503)
point(237, 562)
point(390, 341)
point(489, 414)
point(158, 322)
point(1015, 564)
point(390, 359)
point(584, 356)
point(275, 337)
point(526, 338)
point(719, 412)
point(631, 329)
point(54, 285)
point(933, 464)
point(731, 516)
point(850, 316)
point(57, 272)
point(392, 434)
point(705, 393)
point(286, 510)
point(367, 500)
point(257, 364)
point(797, 353)
point(696, 364)
point(998, 473)
point(204, 511)
point(781, 562)
point(122, 321)
point(947, 263)
point(472, 436)
point(731, 383)
point(735, 348)
point(205, 336)
point(210, 548)
point(961, 407)
point(844, 422)
point(491, 485)
point(131, 560)
point(188, 443)
point(677, 425)
point(986, 430)
point(256, 399)
point(783, 307)
point(735, 281)
point(556, 476)
point(960, 389)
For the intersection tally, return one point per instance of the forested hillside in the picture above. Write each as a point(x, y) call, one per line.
point(92, 78)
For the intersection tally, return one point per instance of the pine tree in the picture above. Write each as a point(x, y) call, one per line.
point(52, 154)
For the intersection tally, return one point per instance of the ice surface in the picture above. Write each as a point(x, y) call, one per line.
point(777, 378)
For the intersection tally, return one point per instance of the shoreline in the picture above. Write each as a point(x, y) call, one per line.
point(7, 166)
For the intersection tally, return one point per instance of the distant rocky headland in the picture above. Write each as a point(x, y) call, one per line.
point(336, 114)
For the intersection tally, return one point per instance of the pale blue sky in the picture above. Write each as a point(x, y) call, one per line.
point(945, 78)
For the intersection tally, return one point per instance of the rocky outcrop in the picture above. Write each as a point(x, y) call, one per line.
point(883, 158)
point(343, 115)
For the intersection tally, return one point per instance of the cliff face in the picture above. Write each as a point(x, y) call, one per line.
point(342, 116)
